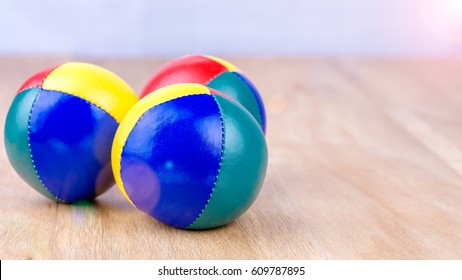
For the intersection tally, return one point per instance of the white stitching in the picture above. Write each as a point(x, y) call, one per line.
point(260, 109)
point(30, 151)
point(81, 97)
point(133, 128)
point(219, 164)
point(28, 133)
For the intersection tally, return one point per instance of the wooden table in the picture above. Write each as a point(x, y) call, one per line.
point(365, 162)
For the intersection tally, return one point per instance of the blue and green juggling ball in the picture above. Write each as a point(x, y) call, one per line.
point(190, 157)
point(60, 127)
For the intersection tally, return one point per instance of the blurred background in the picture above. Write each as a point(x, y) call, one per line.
point(114, 28)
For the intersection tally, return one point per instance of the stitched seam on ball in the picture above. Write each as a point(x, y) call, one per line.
point(219, 164)
point(211, 79)
point(260, 110)
point(30, 151)
point(122, 150)
point(28, 88)
point(133, 128)
point(88, 101)
point(43, 80)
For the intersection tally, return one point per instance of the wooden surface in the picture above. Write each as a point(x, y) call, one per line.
point(365, 162)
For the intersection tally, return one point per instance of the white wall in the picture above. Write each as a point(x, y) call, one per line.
point(144, 27)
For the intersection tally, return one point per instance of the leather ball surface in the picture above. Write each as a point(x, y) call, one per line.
point(60, 127)
point(190, 157)
point(212, 72)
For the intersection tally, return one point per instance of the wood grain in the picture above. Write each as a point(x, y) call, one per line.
point(365, 162)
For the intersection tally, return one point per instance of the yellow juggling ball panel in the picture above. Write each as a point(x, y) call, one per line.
point(94, 84)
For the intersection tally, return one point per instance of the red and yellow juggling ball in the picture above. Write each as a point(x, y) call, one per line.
point(60, 127)
point(190, 157)
point(212, 72)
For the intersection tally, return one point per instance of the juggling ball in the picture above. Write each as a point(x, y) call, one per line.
point(212, 72)
point(190, 157)
point(60, 127)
